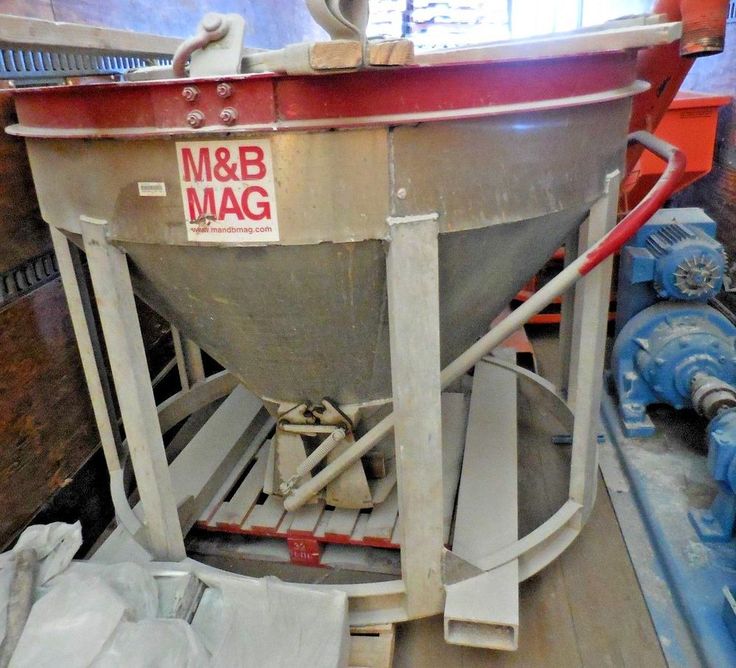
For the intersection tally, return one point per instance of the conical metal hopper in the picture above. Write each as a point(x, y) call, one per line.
point(510, 162)
point(265, 215)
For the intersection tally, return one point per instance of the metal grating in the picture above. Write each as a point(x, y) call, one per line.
point(27, 277)
point(21, 64)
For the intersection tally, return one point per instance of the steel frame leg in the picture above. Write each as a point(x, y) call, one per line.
point(587, 351)
point(188, 360)
point(88, 351)
point(118, 316)
point(413, 307)
point(100, 392)
point(567, 316)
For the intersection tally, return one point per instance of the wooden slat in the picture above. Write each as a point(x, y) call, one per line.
point(238, 425)
point(226, 486)
point(285, 524)
point(307, 58)
point(383, 518)
point(305, 519)
point(324, 520)
point(38, 33)
point(335, 55)
point(269, 479)
point(360, 527)
point(392, 52)
point(267, 516)
point(342, 522)
point(234, 512)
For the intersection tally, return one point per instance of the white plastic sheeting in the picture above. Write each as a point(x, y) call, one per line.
point(267, 623)
point(89, 615)
point(99, 616)
point(155, 642)
point(70, 625)
point(55, 545)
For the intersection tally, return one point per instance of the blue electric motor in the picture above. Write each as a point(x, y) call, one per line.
point(672, 348)
point(674, 257)
point(667, 334)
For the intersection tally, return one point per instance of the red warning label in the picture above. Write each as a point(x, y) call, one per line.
point(228, 191)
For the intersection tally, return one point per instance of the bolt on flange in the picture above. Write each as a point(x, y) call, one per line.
point(190, 93)
point(195, 118)
point(229, 115)
point(224, 89)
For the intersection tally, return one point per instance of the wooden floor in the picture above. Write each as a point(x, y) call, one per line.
point(586, 609)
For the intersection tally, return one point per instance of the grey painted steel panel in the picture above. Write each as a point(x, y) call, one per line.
point(304, 322)
point(508, 168)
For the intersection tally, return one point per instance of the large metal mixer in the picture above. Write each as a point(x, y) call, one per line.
point(334, 234)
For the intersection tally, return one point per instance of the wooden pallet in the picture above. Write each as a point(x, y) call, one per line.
point(241, 507)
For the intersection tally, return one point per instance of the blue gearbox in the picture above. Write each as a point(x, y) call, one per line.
point(658, 353)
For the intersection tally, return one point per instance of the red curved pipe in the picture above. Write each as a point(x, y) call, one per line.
point(703, 26)
point(665, 67)
point(648, 206)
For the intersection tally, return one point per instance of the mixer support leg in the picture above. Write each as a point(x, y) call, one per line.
point(188, 360)
point(121, 328)
point(85, 331)
point(588, 345)
point(567, 316)
point(413, 306)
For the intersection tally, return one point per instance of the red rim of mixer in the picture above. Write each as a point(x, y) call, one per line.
point(271, 102)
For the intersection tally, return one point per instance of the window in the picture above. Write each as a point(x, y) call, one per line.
point(434, 24)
